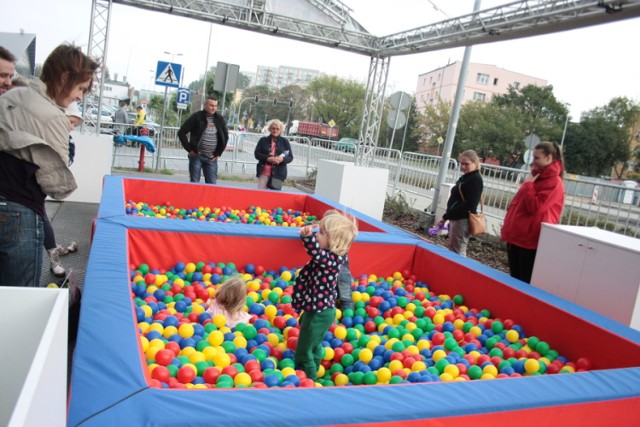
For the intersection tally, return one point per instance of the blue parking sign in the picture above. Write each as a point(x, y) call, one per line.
point(183, 97)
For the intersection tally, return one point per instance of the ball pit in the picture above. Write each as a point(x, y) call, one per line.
point(411, 337)
point(251, 215)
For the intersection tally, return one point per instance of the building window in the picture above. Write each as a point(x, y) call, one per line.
point(516, 85)
point(483, 79)
point(478, 96)
point(495, 81)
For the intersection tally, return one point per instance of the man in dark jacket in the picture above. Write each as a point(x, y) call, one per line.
point(208, 136)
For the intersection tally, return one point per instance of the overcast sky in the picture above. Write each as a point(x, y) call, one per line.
point(587, 67)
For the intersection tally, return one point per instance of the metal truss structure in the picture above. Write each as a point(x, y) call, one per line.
point(329, 23)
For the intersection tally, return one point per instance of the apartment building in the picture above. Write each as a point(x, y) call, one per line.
point(483, 82)
point(279, 77)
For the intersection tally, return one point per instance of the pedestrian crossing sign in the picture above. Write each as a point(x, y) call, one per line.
point(168, 74)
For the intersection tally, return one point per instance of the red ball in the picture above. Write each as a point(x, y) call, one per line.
point(174, 347)
point(185, 374)
point(160, 373)
point(155, 384)
point(583, 364)
point(211, 374)
point(438, 339)
point(293, 332)
point(230, 370)
point(338, 353)
point(400, 373)
point(307, 383)
point(347, 347)
point(256, 375)
point(369, 326)
point(292, 343)
point(164, 357)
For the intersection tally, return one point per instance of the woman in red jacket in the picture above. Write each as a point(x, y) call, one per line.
point(539, 199)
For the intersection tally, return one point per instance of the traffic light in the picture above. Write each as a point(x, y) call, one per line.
point(275, 102)
point(257, 98)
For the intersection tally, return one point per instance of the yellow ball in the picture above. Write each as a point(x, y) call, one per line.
point(384, 375)
point(446, 377)
point(512, 335)
point(190, 268)
point(169, 331)
point(452, 370)
point(187, 351)
point(328, 353)
point(209, 353)
point(531, 366)
point(186, 330)
point(341, 379)
point(240, 342)
point(215, 338)
point(221, 360)
point(144, 342)
point(490, 370)
point(421, 366)
point(197, 357)
point(438, 319)
point(394, 365)
point(286, 275)
point(147, 310)
point(438, 354)
point(365, 355)
point(242, 379)
point(219, 320)
point(340, 332)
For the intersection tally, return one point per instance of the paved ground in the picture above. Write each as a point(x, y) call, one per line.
point(72, 221)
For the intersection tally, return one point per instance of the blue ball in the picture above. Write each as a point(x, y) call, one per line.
point(180, 306)
point(152, 335)
point(250, 269)
point(187, 342)
point(139, 314)
point(267, 364)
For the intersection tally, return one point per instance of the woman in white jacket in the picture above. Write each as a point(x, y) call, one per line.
point(34, 158)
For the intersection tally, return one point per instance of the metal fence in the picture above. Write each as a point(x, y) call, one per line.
point(588, 201)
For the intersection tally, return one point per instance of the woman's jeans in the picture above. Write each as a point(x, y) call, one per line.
point(21, 245)
point(209, 168)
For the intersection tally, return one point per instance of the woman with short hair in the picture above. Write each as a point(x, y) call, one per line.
point(273, 153)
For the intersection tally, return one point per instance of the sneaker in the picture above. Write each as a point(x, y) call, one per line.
point(73, 247)
point(61, 250)
point(56, 267)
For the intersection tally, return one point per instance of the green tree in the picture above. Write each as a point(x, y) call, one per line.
point(492, 130)
point(431, 125)
point(625, 114)
point(337, 99)
point(598, 142)
point(536, 109)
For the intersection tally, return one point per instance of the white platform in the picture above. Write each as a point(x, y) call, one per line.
point(594, 268)
point(33, 372)
point(361, 188)
point(94, 155)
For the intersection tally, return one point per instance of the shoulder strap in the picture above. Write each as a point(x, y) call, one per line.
point(481, 198)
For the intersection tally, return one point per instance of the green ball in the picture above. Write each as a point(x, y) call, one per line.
point(173, 369)
point(347, 313)
point(441, 364)
point(356, 377)
point(496, 352)
point(250, 332)
point(347, 360)
point(450, 344)
point(201, 366)
point(143, 268)
point(543, 348)
point(458, 299)
point(229, 347)
point(395, 380)
point(497, 327)
point(202, 344)
point(532, 342)
point(370, 378)
point(474, 372)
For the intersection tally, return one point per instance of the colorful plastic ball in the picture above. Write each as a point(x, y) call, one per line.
point(531, 366)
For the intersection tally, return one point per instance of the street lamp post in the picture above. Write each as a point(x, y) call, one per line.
point(564, 131)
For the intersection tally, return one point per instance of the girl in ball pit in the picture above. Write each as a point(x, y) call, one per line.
point(229, 300)
point(315, 290)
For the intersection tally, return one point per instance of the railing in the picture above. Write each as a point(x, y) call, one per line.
point(588, 201)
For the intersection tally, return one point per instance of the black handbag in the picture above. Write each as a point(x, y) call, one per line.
point(275, 183)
